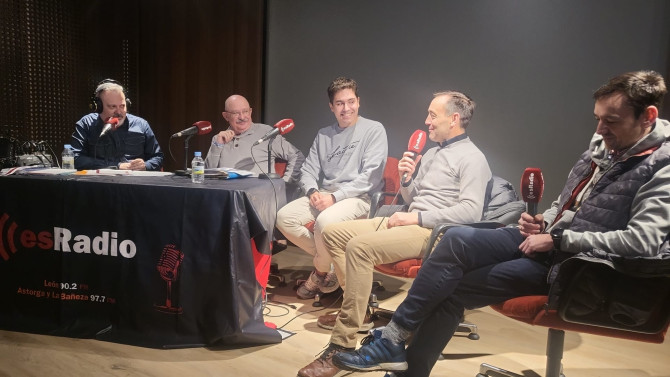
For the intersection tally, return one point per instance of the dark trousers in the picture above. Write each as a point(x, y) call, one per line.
point(469, 268)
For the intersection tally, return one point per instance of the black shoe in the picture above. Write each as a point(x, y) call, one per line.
point(277, 247)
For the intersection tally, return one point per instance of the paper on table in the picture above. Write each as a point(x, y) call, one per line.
point(233, 171)
point(116, 172)
point(36, 170)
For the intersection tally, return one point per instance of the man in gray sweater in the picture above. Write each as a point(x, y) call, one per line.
point(345, 163)
point(233, 148)
point(450, 186)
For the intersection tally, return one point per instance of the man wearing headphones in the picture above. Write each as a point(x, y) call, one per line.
point(110, 137)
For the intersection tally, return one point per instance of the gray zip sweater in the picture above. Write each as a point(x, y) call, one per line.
point(450, 185)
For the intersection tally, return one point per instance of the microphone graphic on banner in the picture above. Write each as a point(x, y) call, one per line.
point(200, 127)
point(168, 268)
point(415, 146)
point(532, 187)
point(282, 127)
point(110, 125)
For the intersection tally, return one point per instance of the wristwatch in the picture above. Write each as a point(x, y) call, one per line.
point(311, 191)
point(556, 235)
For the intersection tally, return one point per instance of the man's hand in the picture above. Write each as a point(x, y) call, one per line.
point(403, 218)
point(136, 164)
point(408, 165)
point(529, 225)
point(224, 137)
point(536, 243)
point(321, 201)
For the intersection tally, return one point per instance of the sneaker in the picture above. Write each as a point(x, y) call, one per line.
point(310, 287)
point(327, 322)
point(329, 284)
point(323, 365)
point(378, 354)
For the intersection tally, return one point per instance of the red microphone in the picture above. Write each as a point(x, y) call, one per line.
point(200, 127)
point(111, 125)
point(204, 127)
point(415, 146)
point(532, 187)
point(282, 127)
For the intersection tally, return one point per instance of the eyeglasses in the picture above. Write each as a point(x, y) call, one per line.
point(236, 114)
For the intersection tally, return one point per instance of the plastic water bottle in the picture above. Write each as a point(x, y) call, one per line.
point(68, 157)
point(198, 169)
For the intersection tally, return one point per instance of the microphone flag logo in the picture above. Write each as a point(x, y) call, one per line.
point(419, 142)
point(531, 193)
point(204, 127)
point(286, 128)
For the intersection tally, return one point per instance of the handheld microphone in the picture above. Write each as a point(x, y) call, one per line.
point(200, 127)
point(532, 187)
point(416, 143)
point(415, 146)
point(282, 127)
point(111, 125)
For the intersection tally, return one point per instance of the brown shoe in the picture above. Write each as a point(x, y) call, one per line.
point(327, 321)
point(323, 365)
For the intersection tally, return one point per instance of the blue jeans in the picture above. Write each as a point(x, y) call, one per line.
point(469, 268)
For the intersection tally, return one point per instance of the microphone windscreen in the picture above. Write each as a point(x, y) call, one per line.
point(417, 141)
point(113, 121)
point(285, 126)
point(532, 185)
point(204, 127)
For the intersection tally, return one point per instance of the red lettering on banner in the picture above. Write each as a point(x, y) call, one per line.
point(45, 240)
point(28, 238)
point(10, 237)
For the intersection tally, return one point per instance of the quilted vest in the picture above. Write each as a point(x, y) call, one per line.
point(608, 207)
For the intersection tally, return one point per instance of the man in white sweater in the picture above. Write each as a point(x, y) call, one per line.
point(450, 187)
point(345, 163)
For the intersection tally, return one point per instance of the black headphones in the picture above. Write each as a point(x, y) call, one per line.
point(96, 104)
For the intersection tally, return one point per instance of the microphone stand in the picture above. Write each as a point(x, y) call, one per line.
point(269, 175)
point(185, 171)
point(186, 152)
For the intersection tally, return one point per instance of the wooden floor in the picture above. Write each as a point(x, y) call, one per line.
point(504, 342)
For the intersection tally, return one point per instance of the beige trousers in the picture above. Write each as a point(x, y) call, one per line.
point(355, 248)
point(291, 220)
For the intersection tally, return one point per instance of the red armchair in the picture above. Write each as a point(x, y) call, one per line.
point(592, 297)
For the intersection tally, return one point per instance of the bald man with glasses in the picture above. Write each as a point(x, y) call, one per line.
point(233, 148)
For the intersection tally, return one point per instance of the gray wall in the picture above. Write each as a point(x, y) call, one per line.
point(530, 65)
